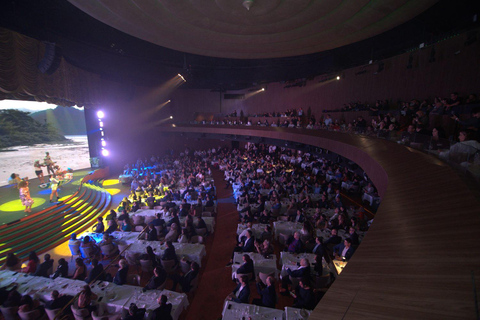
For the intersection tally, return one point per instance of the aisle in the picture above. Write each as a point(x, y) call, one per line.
point(215, 283)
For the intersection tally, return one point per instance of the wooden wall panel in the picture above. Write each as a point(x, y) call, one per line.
point(417, 259)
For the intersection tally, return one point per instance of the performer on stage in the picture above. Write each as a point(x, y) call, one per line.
point(54, 185)
point(38, 171)
point(27, 201)
point(49, 163)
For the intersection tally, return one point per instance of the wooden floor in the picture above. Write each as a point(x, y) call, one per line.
point(419, 257)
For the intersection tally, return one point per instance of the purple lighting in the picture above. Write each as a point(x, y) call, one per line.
point(105, 152)
point(100, 114)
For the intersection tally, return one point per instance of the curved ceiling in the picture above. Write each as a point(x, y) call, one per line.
point(269, 29)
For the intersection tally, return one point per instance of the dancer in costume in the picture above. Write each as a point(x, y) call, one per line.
point(54, 185)
point(27, 201)
point(38, 171)
point(49, 163)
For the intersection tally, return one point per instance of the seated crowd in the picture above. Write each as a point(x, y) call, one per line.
point(277, 184)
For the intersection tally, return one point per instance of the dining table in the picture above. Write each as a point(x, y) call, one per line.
point(238, 311)
point(113, 297)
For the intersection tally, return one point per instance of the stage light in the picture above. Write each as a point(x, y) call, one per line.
point(103, 133)
point(104, 143)
point(105, 152)
point(263, 89)
point(182, 77)
point(100, 114)
point(169, 101)
point(101, 124)
point(338, 77)
point(171, 117)
point(101, 129)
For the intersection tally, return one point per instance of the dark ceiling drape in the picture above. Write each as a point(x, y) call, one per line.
point(68, 85)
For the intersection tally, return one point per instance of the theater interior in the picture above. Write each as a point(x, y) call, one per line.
point(171, 75)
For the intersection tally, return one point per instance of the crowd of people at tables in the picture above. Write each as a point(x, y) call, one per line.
point(266, 173)
point(188, 173)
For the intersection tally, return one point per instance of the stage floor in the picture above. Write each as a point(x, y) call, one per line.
point(11, 208)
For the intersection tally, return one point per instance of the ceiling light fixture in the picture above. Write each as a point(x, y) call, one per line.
point(247, 4)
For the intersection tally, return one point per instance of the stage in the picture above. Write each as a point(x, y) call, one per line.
point(11, 208)
point(50, 224)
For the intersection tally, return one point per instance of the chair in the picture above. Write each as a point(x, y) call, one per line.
point(108, 250)
point(133, 279)
point(146, 266)
point(139, 228)
point(264, 276)
point(32, 315)
point(80, 314)
point(52, 313)
point(196, 239)
point(138, 220)
point(149, 219)
point(116, 316)
point(10, 313)
point(132, 258)
point(184, 266)
point(169, 265)
point(159, 229)
point(87, 252)
point(282, 239)
point(322, 282)
point(201, 231)
point(206, 214)
point(74, 250)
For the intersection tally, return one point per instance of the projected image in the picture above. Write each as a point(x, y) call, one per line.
point(36, 136)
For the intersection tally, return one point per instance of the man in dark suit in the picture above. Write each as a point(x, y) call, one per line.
point(267, 293)
point(159, 277)
point(163, 312)
point(186, 280)
point(241, 294)
point(353, 236)
point(42, 270)
point(304, 295)
point(151, 233)
point(318, 248)
point(334, 238)
point(247, 266)
point(302, 272)
point(158, 221)
point(247, 245)
point(344, 250)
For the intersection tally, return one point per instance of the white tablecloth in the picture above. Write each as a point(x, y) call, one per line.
point(290, 260)
point(109, 294)
point(257, 229)
point(296, 314)
point(286, 227)
point(193, 252)
point(260, 264)
point(236, 311)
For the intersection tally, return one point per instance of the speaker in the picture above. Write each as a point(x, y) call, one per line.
point(51, 59)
